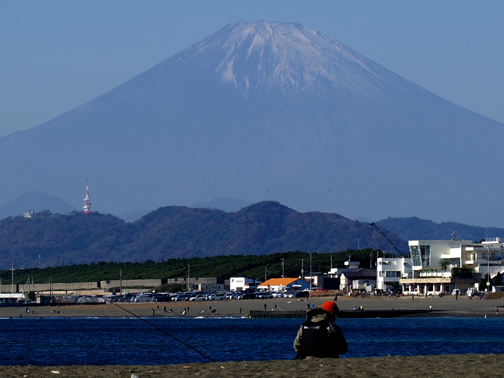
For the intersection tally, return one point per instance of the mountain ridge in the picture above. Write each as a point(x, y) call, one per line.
point(403, 151)
point(414, 228)
point(179, 232)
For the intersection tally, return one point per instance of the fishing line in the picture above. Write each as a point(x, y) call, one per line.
point(163, 331)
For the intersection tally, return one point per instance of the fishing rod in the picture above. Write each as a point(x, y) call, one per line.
point(163, 331)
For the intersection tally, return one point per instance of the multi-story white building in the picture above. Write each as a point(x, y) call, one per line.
point(432, 262)
point(390, 270)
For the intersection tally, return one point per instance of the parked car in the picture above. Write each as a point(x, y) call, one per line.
point(181, 298)
point(197, 298)
point(264, 295)
point(246, 296)
point(217, 297)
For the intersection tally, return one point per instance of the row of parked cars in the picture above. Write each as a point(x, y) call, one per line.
point(202, 296)
point(232, 295)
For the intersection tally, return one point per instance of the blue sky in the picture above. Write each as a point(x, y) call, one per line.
point(57, 55)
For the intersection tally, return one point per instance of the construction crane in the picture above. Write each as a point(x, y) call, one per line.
point(385, 236)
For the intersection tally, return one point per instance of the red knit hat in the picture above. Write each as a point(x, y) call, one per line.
point(330, 307)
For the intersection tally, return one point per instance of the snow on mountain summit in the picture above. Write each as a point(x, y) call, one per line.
point(283, 57)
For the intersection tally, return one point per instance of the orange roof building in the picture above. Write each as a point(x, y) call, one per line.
point(280, 284)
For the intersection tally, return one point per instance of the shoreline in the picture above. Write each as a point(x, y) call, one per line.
point(424, 307)
point(448, 366)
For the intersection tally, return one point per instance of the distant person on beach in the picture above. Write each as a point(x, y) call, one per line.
point(318, 336)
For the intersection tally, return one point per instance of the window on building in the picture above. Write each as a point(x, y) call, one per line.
point(393, 273)
point(421, 255)
point(425, 255)
point(415, 255)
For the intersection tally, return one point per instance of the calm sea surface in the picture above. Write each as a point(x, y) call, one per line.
point(103, 341)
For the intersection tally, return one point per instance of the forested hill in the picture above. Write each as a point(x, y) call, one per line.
point(180, 232)
point(414, 228)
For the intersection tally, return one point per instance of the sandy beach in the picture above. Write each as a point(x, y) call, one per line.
point(445, 366)
point(445, 306)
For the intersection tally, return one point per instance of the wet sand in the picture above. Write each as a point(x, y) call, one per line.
point(446, 366)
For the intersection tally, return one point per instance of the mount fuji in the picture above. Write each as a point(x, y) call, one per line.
point(267, 111)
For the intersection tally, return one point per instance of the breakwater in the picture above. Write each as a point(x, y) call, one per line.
point(342, 314)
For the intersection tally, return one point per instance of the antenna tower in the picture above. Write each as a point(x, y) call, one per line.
point(87, 204)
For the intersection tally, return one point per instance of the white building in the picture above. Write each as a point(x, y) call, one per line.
point(390, 270)
point(362, 279)
point(13, 297)
point(433, 260)
point(242, 283)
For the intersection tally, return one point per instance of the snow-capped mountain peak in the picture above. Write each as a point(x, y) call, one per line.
point(283, 57)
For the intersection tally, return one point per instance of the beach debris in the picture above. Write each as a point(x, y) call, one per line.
point(134, 376)
point(186, 367)
point(55, 371)
point(222, 367)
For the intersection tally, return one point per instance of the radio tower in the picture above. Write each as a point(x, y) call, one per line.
point(87, 204)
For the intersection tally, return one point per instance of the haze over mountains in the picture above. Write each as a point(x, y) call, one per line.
point(267, 110)
point(180, 232)
point(35, 201)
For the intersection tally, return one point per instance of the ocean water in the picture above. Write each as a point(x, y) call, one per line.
point(105, 341)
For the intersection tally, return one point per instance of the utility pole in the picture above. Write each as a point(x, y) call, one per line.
point(189, 277)
point(283, 268)
point(12, 277)
point(311, 278)
point(331, 259)
point(370, 260)
point(265, 274)
point(488, 267)
point(120, 281)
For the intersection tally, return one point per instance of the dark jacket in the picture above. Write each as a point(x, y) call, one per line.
point(333, 345)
